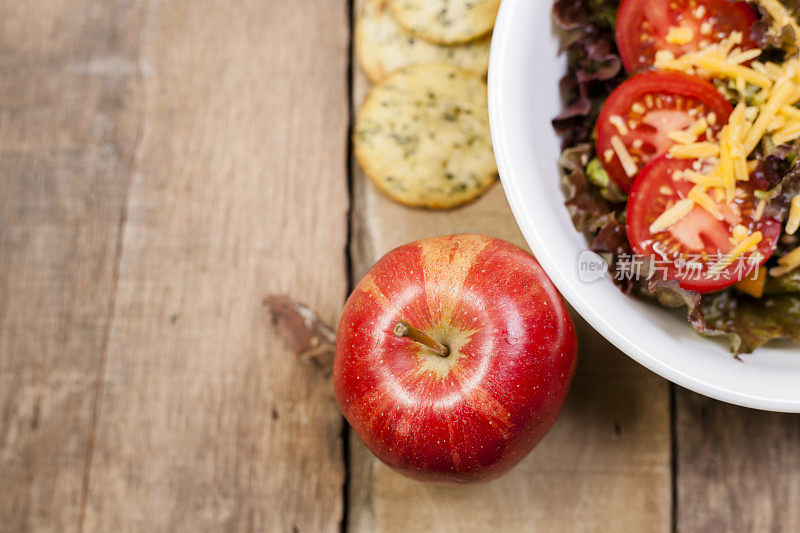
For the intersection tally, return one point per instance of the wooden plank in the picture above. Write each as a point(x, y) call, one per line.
point(604, 466)
point(737, 469)
point(207, 421)
point(69, 100)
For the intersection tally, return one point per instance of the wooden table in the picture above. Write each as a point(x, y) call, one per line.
point(165, 164)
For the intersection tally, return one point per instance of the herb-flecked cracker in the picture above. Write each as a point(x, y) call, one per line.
point(384, 47)
point(422, 136)
point(446, 21)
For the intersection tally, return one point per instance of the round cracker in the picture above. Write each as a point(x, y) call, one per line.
point(422, 136)
point(446, 21)
point(384, 47)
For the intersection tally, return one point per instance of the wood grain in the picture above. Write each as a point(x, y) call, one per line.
point(69, 100)
point(604, 466)
point(738, 469)
point(164, 166)
point(207, 421)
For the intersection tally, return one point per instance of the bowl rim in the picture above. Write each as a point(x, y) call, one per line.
point(510, 179)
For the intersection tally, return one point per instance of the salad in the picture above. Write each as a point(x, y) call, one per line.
point(681, 156)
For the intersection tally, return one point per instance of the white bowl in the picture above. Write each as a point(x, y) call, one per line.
point(523, 97)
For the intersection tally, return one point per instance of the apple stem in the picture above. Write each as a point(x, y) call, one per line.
point(404, 329)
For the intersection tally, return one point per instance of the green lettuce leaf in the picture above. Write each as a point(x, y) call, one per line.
point(745, 322)
point(589, 210)
point(597, 207)
point(786, 284)
point(754, 321)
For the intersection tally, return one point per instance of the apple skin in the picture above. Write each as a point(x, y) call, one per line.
point(471, 416)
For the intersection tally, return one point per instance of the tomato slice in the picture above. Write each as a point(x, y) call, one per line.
point(688, 249)
point(643, 27)
point(651, 105)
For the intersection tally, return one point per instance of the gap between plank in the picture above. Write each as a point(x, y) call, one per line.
point(346, 459)
point(673, 432)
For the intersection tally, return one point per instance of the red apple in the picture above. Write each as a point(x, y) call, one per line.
point(510, 356)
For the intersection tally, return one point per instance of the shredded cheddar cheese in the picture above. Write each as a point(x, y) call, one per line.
point(777, 122)
point(681, 137)
point(699, 196)
point(791, 113)
point(705, 180)
point(690, 134)
point(786, 134)
point(759, 213)
point(720, 60)
point(746, 245)
point(793, 223)
point(773, 70)
point(722, 156)
point(779, 96)
point(619, 123)
point(787, 263)
point(725, 167)
point(728, 69)
point(672, 215)
point(743, 56)
point(628, 164)
point(781, 16)
point(790, 258)
point(694, 151)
